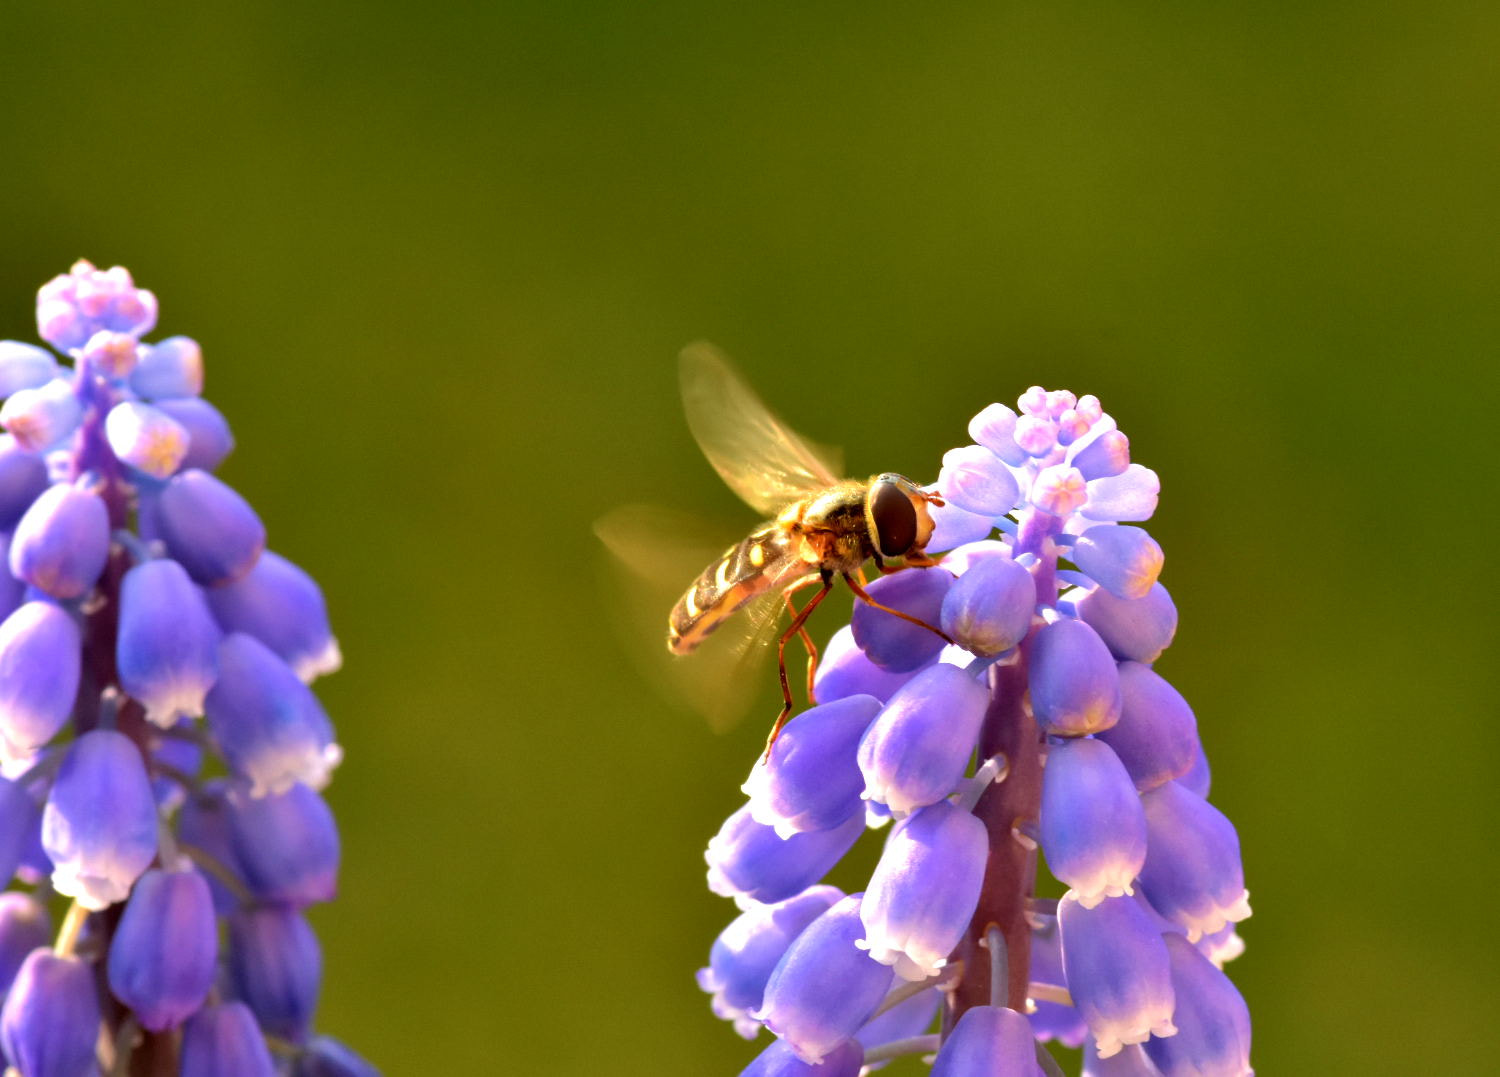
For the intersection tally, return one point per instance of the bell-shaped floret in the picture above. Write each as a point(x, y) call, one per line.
point(1118, 971)
point(1131, 1061)
point(1213, 1022)
point(62, 541)
point(748, 949)
point(169, 368)
point(209, 437)
point(24, 926)
point(1198, 778)
point(72, 307)
point(1058, 490)
point(825, 987)
point(953, 527)
point(276, 968)
point(146, 438)
point(811, 780)
point(924, 891)
point(751, 863)
point(50, 1023)
point(779, 1060)
point(23, 477)
point(915, 752)
point(161, 958)
point(286, 845)
point(327, 1057)
point(18, 821)
point(224, 1041)
point(988, 610)
point(12, 590)
point(844, 671)
point(1222, 946)
point(40, 418)
point(1075, 689)
point(269, 725)
point(1192, 875)
point(1130, 495)
point(1052, 1020)
point(24, 366)
point(988, 1041)
point(167, 649)
point(1134, 629)
point(99, 825)
point(280, 605)
point(1102, 455)
point(977, 481)
point(203, 825)
point(995, 429)
point(40, 660)
point(211, 529)
point(1093, 830)
point(1157, 736)
point(890, 642)
point(909, 1017)
point(109, 354)
point(1124, 560)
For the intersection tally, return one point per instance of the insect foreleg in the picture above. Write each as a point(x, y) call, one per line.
point(864, 596)
point(791, 630)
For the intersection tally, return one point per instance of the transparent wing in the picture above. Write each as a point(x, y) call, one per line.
point(661, 552)
point(763, 460)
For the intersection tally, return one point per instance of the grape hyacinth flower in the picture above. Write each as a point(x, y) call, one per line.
point(161, 753)
point(1044, 729)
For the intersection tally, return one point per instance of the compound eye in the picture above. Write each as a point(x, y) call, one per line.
point(894, 519)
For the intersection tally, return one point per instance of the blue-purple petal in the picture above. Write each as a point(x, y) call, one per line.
point(1093, 830)
point(167, 648)
point(224, 1041)
point(210, 528)
point(988, 610)
point(1075, 689)
point(99, 824)
point(812, 781)
point(62, 541)
point(890, 642)
point(50, 1022)
point(1157, 736)
point(1137, 629)
point(825, 987)
point(162, 956)
point(749, 862)
point(916, 750)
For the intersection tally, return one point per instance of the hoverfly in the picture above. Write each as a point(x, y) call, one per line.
point(821, 526)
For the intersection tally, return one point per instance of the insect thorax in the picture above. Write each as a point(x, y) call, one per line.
point(830, 528)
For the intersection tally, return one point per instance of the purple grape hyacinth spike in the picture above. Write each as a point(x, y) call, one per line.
point(124, 681)
point(1044, 728)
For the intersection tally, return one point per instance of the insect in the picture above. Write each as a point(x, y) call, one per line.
point(821, 527)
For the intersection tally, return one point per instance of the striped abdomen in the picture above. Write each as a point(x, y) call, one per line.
point(748, 568)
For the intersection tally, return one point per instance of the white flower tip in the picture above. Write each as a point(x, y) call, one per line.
point(184, 702)
point(310, 667)
point(93, 892)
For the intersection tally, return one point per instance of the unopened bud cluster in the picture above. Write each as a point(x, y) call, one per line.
point(1045, 726)
point(161, 753)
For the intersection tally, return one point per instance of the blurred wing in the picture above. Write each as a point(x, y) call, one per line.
point(765, 462)
point(661, 553)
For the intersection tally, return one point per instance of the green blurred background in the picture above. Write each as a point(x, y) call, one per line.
point(441, 259)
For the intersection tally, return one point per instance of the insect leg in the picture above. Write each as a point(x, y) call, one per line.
point(864, 596)
point(807, 640)
point(792, 629)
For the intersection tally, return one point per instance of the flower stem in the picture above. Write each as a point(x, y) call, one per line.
point(1005, 807)
point(912, 1045)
